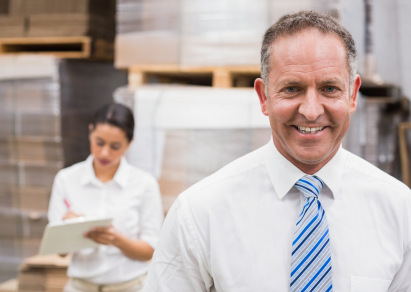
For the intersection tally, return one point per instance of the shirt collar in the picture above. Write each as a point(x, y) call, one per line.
point(90, 177)
point(121, 175)
point(332, 172)
point(283, 174)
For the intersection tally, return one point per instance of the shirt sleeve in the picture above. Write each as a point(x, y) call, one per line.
point(152, 214)
point(178, 263)
point(402, 279)
point(57, 207)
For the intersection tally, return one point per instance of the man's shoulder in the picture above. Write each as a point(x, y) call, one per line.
point(368, 172)
point(230, 177)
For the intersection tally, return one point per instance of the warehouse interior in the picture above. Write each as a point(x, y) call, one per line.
point(186, 68)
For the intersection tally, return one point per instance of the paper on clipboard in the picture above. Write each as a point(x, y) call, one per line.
point(67, 236)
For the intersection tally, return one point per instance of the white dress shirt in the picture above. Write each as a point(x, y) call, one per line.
point(132, 199)
point(233, 231)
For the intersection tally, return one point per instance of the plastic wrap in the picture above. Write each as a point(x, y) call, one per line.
point(195, 32)
point(186, 133)
point(47, 105)
point(30, 153)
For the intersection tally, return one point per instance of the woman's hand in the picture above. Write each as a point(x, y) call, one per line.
point(133, 248)
point(70, 214)
point(102, 235)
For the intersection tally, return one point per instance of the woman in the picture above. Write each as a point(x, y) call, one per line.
point(105, 185)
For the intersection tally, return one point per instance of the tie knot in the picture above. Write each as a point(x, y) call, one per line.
point(310, 185)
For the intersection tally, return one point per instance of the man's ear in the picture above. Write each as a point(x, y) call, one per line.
point(259, 87)
point(354, 94)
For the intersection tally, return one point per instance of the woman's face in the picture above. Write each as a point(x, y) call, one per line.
point(107, 144)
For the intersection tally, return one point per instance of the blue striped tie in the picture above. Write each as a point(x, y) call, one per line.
point(311, 256)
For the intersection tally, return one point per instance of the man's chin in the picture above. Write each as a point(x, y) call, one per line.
point(312, 160)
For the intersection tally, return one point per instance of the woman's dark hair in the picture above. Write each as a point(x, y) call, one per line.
point(117, 115)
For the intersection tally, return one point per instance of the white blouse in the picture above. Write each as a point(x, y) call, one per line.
point(132, 199)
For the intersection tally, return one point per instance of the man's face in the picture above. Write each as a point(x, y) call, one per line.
point(308, 98)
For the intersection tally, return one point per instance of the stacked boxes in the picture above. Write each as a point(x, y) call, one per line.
point(43, 273)
point(47, 105)
point(10, 25)
point(94, 18)
point(30, 154)
point(195, 32)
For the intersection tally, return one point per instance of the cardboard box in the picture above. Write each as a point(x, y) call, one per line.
point(37, 174)
point(30, 148)
point(43, 273)
point(12, 26)
point(146, 48)
point(19, 224)
point(24, 198)
point(31, 198)
point(37, 95)
point(32, 7)
point(70, 24)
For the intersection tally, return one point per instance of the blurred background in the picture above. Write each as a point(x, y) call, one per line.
point(186, 68)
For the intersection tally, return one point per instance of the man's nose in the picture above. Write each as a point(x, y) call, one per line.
point(311, 106)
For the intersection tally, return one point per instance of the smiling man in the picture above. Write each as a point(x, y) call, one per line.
point(300, 213)
point(308, 96)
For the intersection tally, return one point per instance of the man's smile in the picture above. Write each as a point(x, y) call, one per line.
point(308, 130)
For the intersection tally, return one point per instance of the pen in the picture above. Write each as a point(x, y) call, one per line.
point(67, 203)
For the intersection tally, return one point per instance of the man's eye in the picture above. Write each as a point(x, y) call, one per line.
point(291, 89)
point(100, 143)
point(329, 89)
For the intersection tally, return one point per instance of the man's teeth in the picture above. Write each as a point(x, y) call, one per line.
point(307, 130)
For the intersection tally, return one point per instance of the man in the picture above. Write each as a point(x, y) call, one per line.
point(300, 213)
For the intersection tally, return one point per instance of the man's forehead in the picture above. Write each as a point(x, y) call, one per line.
point(309, 31)
point(308, 47)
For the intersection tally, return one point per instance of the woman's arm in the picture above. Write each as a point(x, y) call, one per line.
point(132, 248)
point(151, 218)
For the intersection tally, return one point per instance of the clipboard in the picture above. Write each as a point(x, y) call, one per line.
point(67, 236)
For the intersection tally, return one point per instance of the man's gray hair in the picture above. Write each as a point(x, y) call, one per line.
point(297, 22)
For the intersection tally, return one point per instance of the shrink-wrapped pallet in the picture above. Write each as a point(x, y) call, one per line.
point(185, 133)
point(195, 32)
point(47, 105)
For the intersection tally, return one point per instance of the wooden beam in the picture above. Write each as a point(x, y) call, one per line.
point(62, 47)
point(405, 165)
point(222, 78)
point(137, 78)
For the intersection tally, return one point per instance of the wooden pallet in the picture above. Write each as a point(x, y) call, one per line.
point(78, 47)
point(403, 128)
point(219, 76)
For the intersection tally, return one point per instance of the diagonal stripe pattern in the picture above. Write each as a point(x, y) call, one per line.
point(311, 255)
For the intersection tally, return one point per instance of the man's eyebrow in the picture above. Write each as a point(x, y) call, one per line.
point(290, 82)
point(331, 81)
